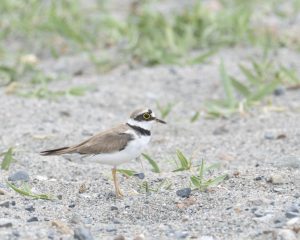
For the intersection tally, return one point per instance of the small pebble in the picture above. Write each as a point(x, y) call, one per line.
point(279, 91)
point(140, 175)
point(19, 176)
point(72, 205)
point(33, 219)
point(286, 234)
point(276, 179)
point(185, 192)
point(119, 237)
point(30, 208)
point(288, 161)
point(113, 208)
point(269, 136)
point(4, 204)
point(139, 237)
point(75, 219)
point(5, 224)
point(111, 229)
point(259, 178)
point(82, 233)
point(259, 213)
point(181, 235)
point(292, 214)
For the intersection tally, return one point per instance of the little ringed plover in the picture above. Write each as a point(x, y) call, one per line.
point(117, 145)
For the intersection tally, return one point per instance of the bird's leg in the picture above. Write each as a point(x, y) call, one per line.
point(117, 188)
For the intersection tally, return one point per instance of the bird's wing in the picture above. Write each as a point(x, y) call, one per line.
point(112, 140)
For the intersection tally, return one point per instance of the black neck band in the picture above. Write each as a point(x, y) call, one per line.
point(140, 130)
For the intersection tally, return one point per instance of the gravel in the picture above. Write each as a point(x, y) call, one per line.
point(223, 212)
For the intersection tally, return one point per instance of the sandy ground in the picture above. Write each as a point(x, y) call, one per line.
point(252, 149)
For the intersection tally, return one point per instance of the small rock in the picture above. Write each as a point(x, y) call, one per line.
point(72, 205)
point(4, 204)
point(185, 192)
point(289, 161)
point(82, 233)
point(259, 178)
point(4, 223)
point(286, 234)
point(119, 237)
point(220, 130)
point(276, 179)
point(113, 208)
point(62, 227)
point(181, 235)
point(2, 192)
point(140, 175)
point(269, 136)
point(16, 233)
point(33, 219)
point(278, 189)
point(259, 213)
point(19, 176)
point(279, 91)
point(294, 222)
point(59, 197)
point(279, 222)
point(292, 214)
point(139, 237)
point(111, 228)
point(206, 238)
point(294, 208)
point(30, 208)
point(75, 219)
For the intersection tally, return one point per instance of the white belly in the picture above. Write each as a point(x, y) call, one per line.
point(133, 149)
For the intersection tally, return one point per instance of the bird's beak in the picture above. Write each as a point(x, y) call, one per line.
point(160, 121)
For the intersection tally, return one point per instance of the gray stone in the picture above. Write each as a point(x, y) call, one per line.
point(181, 234)
point(269, 136)
point(286, 234)
point(82, 233)
point(276, 179)
point(5, 223)
point(111, 228)
point(33, 219)
point(289, 161)
point(19, 176)
point(259, 213)
point(292, 214)
point(185, 192)
point(279, 91)
point(30, 208)
point(4, 204)
point(140, 175)
point(119, 237)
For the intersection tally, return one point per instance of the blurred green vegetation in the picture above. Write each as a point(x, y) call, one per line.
point(139, 35)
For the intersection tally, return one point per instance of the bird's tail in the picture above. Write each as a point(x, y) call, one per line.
point(57, 151)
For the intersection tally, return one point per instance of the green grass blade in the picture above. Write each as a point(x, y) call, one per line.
point(202, 57)
point(126, 172)
point(25, 191)
point(155, 167)
point(185, 163)
point(228, 87)
point(264, 91)
point(195, 117)
point(195, 181)
point(8, 159)
point(240, 87)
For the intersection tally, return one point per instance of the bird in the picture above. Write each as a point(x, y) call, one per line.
point(116, 145)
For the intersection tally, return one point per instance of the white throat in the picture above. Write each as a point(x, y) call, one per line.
point(145, 125)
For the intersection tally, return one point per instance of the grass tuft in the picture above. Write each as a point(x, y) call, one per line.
point(199, 181)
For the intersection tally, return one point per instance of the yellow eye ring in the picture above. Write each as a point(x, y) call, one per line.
point(146, 116)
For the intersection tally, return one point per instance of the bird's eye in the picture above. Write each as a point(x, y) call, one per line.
point(146, 116)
